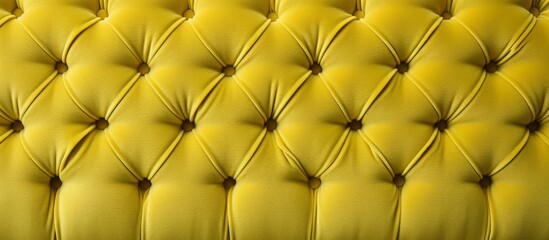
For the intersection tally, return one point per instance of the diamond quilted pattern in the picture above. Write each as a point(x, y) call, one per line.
point(274, 119)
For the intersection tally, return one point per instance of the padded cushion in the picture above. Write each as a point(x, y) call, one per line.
point(280, 119)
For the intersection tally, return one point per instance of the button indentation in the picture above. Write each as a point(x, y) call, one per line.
point(187, 125)
point(188, 13)
point(446, 15)
point(101, 124)
point(55, 182)
point(145, 184)
point(316, 68)
point(143, 68)
point(229, 183)
point(314, 182)
point(533, 126)
point(402, 67)
point(355, 125)
point(61, 67)
point(358, 14)
point(17, 126)
point(17, 12)
point(441, 125)
point(102, 14)
point(271, 124)
point(273, 16)
point(534, 11)
point(491, 67)
point(485, 182)
point(229, 71)
point(399, 180)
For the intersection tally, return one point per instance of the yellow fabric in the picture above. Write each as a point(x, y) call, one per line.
point(280, 119)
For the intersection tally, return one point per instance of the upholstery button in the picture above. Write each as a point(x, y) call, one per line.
point(55, 182)
point(187, 125)
point(273, 16)
point(533, 126)
point(446, 15)
point(229, 183)
point(61, 67)
point(101, 124)
point(441, 125)
point(402, 67)
point(270, 124)
point(358, 14)
point(143, 68)
point(229, 70)
point(102, 14)
point(316, 68)
point(17, 12)
point(145, 184)
point(534, 11)
point(491, 67)
point(188, 13)
point(399, 180)
point(485, 182)
point(17, 126)
point(314, 182)
point(355, 125)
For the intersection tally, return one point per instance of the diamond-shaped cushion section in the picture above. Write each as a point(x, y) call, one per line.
point(98, 79)
point(200, 184)
point(25, 70)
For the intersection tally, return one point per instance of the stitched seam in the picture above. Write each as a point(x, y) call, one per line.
point(423, 91)
point(515, 86)
point(421, 153)
point(482, 47)
point(430, 32)
point(162, 98)
point(36, 93)
point(248, 46)
point(209, 155)
point(124, 41)
point(303, 46)
point(203, 41)
point(74, 36)
point(254, 102)
point(464, 153)
point(335, 153)
point(378, 91)
point(251, 153)
point(385, 41)
point(70, 152)
point(290, 95)
point(517, 40)
point(72, 96)
point(333, 35)
point(376, 153)
point(165, 37)
point(469, 99)
point(6, 19)
point(34, 159)
point(121, 157)
point(288, 155)
point(204, 95)
point(120, 96)
point(166, 155)
point(43, 47)
point(338, 102)
point(512, 155)
point(543, 137)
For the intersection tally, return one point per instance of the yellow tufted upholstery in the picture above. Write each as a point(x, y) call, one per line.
point(280, 119)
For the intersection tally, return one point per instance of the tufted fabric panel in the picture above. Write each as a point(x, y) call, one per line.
point(280, 119)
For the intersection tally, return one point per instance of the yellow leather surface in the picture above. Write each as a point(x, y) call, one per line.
point(280, 119)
